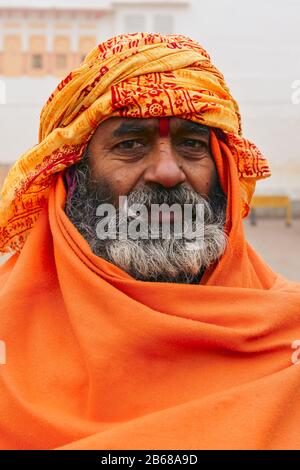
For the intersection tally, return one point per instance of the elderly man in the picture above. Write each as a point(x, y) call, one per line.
point(130, 339)
point(152, 161)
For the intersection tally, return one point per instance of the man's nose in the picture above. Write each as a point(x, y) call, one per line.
point(164, 167)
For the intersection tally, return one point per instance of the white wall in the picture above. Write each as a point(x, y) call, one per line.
point(19, 117)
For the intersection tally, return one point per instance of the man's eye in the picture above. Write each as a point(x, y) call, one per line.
point(129, 145)
point(193, 144)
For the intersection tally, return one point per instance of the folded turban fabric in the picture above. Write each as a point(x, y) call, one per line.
point(134, 75)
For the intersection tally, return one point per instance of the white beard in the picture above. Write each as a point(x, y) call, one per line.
point(154, 260)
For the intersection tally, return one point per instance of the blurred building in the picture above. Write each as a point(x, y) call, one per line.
point(255, 44)
point(38, 39)
point(41, 41)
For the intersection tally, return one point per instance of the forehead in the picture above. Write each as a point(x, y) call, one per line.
point(118, 126)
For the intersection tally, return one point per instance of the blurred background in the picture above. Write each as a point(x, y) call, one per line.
point(256, 45)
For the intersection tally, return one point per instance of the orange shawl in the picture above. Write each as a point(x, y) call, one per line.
point(98, 360)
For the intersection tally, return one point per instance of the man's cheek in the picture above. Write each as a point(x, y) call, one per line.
point(203, 184)
point(127, 180)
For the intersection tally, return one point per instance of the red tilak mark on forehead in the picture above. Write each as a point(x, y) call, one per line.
point(164, 126)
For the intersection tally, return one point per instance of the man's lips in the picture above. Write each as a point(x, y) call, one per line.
point(154, 216)
point(161, 217)
point(164, 217)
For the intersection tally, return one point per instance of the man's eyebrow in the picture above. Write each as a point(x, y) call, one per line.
point(138, 126)
point(130, 127)
point(193, 128)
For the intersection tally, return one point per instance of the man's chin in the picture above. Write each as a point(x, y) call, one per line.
point(153, 260)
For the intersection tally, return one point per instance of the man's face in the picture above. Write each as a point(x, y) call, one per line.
point(151, 162)
point(131, 153)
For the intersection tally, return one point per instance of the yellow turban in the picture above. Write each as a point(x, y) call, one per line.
point(134, 75)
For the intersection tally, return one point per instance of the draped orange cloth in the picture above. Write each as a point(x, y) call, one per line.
point(99, 360)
